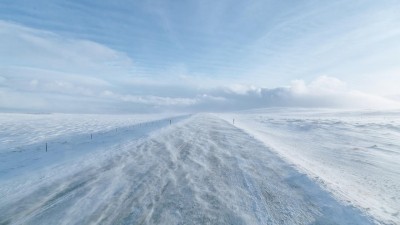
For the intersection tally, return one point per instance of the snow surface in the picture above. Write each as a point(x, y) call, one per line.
point(353, 154)
point(23, 137)
point(25, 129)
point(199, 170)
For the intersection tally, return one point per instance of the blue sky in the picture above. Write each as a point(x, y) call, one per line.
point(146, 55)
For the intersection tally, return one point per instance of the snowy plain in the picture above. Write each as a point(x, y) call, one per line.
point(202, 169)
point(23, 137)
point(353, 154)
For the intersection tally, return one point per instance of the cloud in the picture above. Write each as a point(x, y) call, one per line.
point(41, 71)
point(26, 47)
point(324, 91)
point(332, 92)
point(150, 99)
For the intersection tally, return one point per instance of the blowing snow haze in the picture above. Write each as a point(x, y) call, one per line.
point(217, 112)
point(151, 56)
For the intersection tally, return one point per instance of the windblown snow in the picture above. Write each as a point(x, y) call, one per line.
point(353, 154)
point(199, 169)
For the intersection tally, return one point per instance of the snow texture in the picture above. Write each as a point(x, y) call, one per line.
point(353, 154)
point(199, 170)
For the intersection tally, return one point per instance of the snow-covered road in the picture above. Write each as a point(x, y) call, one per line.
point(202, 170)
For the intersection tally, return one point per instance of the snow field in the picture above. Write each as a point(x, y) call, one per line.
point(353, 154)
point(201, 170)
point(18, 130)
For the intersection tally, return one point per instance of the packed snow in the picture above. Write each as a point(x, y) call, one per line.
point(199, 169)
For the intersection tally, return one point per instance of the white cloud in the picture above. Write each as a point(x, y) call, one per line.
point(326, 84)
point(243, 89)
point(298, 86)
point(25, 47)
point(42, 71)
point(150, 100)
point(324, 91)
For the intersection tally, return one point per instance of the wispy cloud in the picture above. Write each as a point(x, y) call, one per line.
point(121, 56)
point(26, 47)
point(264, 42)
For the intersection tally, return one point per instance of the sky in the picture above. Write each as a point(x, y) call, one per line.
point(126, 56)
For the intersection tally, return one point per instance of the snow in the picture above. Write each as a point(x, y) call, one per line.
point(25, 129)
point(24, 137)
point(353, 154)
point(199, 170)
